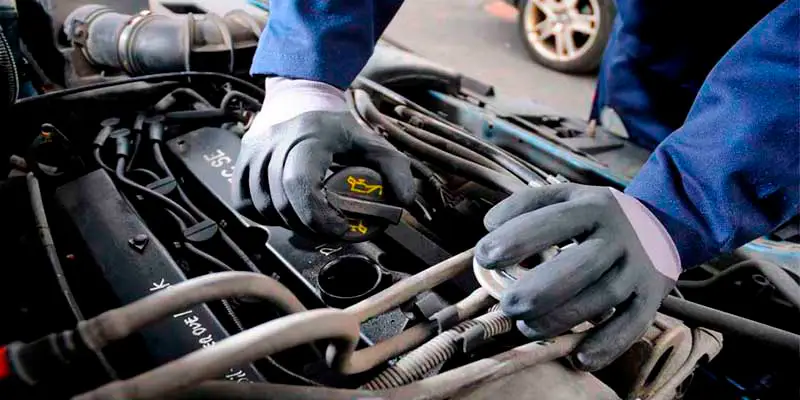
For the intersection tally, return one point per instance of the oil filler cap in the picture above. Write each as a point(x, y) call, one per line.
point(358, 192)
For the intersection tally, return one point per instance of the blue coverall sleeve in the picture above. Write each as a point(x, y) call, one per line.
point(322, 40)
point(731, 172)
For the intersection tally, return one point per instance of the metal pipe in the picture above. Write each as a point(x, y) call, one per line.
point(149, 43)
point(121, 322)
point(409, 287)
point(728, 323)
point(238, 349)
point(706, 344)
point(265, 339)
point(442, 386)
point(370, 357)
point(437, 351)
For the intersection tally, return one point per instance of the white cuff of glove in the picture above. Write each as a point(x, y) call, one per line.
point(287, 98)
point(654, 237)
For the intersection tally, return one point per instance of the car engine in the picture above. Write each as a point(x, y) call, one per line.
point(129, 274)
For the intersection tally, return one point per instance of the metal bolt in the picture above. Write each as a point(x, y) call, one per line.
point(139, 242)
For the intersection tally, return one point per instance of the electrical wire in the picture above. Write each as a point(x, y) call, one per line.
point(449, 146)
point(235, 93)
point(100, 162)
point(443, 159)
point(162, 163)
point(493, 153)
point(220, 266)
point(46, 238)
point(779, 278)
point(171, 205)
point(147, 172)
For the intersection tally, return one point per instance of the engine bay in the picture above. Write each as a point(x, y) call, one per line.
point(119, 219)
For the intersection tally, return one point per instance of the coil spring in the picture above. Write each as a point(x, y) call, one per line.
point(416, 364)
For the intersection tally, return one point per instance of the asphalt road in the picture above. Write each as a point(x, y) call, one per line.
point(480, 38)
point(476, 37)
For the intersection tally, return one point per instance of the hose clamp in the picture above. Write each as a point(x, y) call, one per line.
point(124, 43)
point(79, 31)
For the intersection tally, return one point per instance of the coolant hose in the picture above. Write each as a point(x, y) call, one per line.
point(153, 43)
point(416, 364)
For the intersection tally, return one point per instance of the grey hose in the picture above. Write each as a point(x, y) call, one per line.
point(443, 159)
point(154, 43)
point(781, 279)
point(416, 364)
point(284, 333)
point(449, 146)
point(121, 322)
point(693, 313)
point(442, 386)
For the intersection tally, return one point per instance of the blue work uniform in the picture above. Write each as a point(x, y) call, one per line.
point(714, 86)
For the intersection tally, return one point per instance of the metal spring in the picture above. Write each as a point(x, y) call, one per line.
point(416, 364)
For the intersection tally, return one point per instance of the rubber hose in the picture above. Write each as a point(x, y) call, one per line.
point(449, 146)
point(154, 43)
point(441, 158)
point(416, 364)
point(726, 323)
point(479, 146)
point(781, 279)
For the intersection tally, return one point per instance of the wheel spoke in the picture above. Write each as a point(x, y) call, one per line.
point(544, 29)
point(569, 43)
point(547, 7)
point(559, 39)
point(583, 23)
point(565, 44)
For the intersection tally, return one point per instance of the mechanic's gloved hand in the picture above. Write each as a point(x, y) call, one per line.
point(625, 262)
point(303, 125)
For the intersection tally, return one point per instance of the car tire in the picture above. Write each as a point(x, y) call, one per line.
point(589, 58)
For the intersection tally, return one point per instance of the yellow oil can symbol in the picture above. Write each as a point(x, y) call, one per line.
point(360, 228)
point(360, 185)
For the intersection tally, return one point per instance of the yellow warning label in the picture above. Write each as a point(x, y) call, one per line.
point(360, 185)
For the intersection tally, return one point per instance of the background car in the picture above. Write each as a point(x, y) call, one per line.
point(566, 35)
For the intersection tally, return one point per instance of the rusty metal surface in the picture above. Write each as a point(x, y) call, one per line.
point(548, 381)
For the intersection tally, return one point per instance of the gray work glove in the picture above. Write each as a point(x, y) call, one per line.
point(303, 127)
point(625, 262)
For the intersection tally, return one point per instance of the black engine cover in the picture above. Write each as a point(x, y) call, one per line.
point(135, 264)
